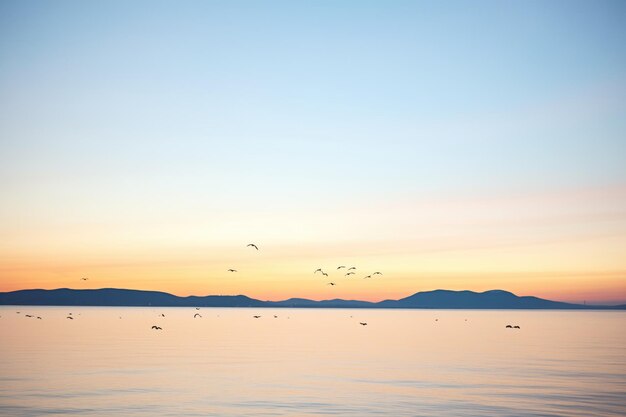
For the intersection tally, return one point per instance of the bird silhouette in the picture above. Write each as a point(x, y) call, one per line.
point(197, 308)
point(516, 327)
point(84, 279)
point(70, 317)
point(253, 245)
point(367, 276)
point(28, 315)
point(350, 273)
point(275, 316)
point(162, 315)
point(232, 270)
point(342, 266)
point(377, 273)
point(331, 283)
point(324, 273)
point(362, 323)
point(38, 318)
point(352, 267)
point(256, 317)
point(318, 270)
point(156, 328)
point(197, 315)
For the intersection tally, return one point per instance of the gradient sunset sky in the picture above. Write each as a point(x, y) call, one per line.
point(457, 145)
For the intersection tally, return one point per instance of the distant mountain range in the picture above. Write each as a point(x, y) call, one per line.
point(446, 299)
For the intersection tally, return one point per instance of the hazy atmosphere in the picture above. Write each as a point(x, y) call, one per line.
point(455, 145)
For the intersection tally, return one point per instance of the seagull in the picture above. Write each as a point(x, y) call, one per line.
point(70, 317)
point(516, 327)
point(377, 273)
point(508, 326)
point(350, 273)
point(352, 267)
point(318, 270)
point(84, 279)
point(253, 245)
point(156, 328)
point(331, 283)
point(362, 323)
point(342, 266)
point(256, 317)
point(232, 270)
point(324, 273)
point(197, 315)
point(368, 276)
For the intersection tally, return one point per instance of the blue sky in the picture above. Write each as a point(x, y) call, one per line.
point(114, 111)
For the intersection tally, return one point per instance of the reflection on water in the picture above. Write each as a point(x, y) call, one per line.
point(108, 361)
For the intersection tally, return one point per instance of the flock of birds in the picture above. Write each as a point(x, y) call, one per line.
point(350, 271)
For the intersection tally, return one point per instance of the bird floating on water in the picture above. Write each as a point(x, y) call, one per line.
point(253, 245)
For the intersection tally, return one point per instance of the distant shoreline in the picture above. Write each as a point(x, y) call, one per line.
point(427, 300)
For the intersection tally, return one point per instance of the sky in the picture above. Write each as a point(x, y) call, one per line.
point(456, 145)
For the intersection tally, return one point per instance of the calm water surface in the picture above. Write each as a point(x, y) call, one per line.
point(108, 362)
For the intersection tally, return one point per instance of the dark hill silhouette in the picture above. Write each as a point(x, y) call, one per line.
point(495, 299)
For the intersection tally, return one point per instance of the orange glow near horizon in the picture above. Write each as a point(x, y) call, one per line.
point(576, 255)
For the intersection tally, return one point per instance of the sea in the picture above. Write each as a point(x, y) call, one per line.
point(109, 361)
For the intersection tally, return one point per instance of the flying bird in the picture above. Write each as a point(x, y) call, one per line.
point(342, 266)
point(362, 323)
point(367, 276)
point(331, 283)
point(275, 316)
point(377, 273)
point(352, 267)
point(256, 317)
point(156, 328)
point(70, 317)
point(324, 273)
point(232, 270)
point(350, 273)
point(162, 315)
point(197, 308)
point(318, 270)
point(28, 315)
point(253, 245)
point(38, 318)
point(516, 327)
point(197, 315)
point(84, 279)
